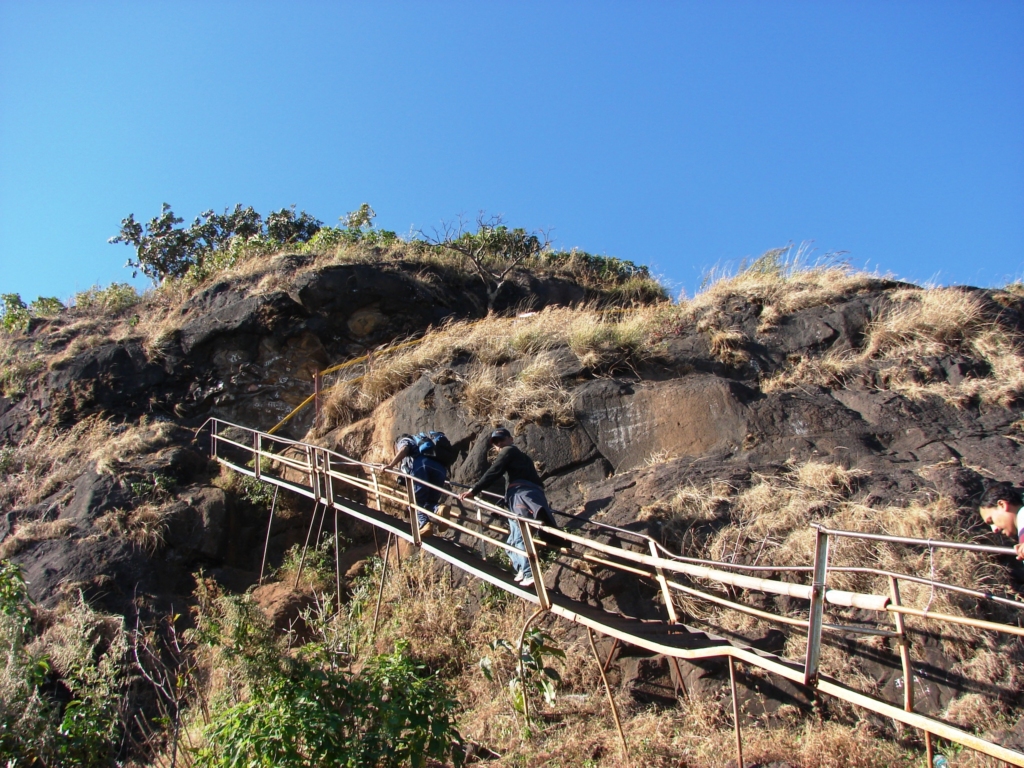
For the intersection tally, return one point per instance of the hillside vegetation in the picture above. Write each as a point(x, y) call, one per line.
point(723, 424)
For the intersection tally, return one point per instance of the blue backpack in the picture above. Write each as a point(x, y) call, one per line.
point(437, 446)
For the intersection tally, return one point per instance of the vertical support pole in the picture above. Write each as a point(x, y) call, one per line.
point(337, 558)
point(817, 607)
point(328, 478)
point(305, 547)
point(310, 469)
point(376, 489)
point(414, 523)
point(270, 522)
point(531, 555)
point(316, 395)
point(736, 713)
point(380, 589)
point(257, 445)
point(611, 653)
point(681, 685)
point(611, 699)
point(673, 617)
point(908, 672)
point(213, 439)
point(929, 748)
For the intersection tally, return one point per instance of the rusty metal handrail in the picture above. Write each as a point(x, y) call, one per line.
point(322, 467)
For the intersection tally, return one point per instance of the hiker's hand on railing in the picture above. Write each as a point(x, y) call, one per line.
point(1019, 549)
point(465, 495)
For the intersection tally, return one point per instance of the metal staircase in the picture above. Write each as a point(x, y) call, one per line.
point(383, 499)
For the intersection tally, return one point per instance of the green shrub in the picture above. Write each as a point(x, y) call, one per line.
point(164, 250)
point(46, 306)
point(302, 709)
point(86, 653)
point(14, 315)
point(116, 297)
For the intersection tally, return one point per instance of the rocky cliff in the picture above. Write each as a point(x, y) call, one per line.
point(722, 425)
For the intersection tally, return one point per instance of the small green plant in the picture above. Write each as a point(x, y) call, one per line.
point(46, 306)
point(303, 710)
point(257, 492)
point(88, 658)
point(531, 671)
point(6, 460)
point(14, 315)
point(115, 298)
point(164, 250)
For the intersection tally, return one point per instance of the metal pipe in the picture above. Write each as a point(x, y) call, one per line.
point(962, 620)
point(932, 583)
point(266, 544)
point(611, 699)
point(380, 589)
point(302, 560)
point(736, 713)
point(930, 543)
point(535, 568)
point(337, 557)
point(817, 607)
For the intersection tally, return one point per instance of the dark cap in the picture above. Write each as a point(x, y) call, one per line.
point(500, 434)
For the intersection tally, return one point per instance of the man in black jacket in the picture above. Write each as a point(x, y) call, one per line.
point(524, 494)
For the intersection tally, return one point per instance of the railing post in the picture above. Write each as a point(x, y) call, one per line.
point(310, 468)
point(213, 439)
point(316, 396)
point(414, 523)
point(736, 713)
point(531, 555)
point(673, 617)
point(329, 479)
point(817, 607)
point(257, 445)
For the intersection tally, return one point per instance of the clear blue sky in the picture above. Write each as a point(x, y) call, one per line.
point(676, 134)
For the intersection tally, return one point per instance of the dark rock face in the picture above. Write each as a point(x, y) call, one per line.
point(249, 357)
point(681, 418)
point(94, 494)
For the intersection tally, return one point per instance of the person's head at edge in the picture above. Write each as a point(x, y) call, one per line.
point(501, 437)
point(998, 508)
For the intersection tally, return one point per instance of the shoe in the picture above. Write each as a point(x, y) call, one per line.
point(527, 582)
point(444, 511)
point(426, 530)
point(518, 577)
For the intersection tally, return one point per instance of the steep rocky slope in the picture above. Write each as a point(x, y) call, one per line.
point(721, 425)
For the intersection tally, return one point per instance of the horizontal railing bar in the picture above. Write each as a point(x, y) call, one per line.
point(773, 664)
point(963, 620)
point(930, 543)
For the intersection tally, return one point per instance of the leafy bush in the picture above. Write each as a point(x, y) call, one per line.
point(46, 306)
point(165, 250)
point(301, 709)
point(116, 297)
point(14, 315)
point(86, 652)
point(531, 670)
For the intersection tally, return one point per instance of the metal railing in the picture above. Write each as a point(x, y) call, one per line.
point(365, 491)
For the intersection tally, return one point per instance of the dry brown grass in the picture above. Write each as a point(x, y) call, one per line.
point(133, 440)
point(26, 534)
point(50, 459)
point(781, 281)
point(598, 339)
point(768, 524)
point(145, 527)
point(420, 603)
point(922, 324)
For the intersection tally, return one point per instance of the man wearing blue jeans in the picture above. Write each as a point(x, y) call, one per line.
point(424, 468)
point(524, 494)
